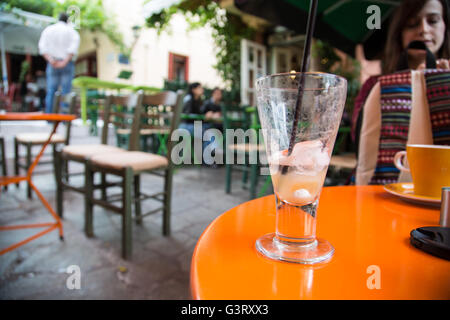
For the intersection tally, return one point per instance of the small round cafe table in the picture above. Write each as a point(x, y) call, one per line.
point(373, 258)
point(49, 226)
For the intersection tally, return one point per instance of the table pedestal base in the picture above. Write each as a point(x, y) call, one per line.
point(318, 251)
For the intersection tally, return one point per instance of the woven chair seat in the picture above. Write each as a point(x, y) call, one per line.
point(86, 151)
point(137, 160)
point(39, 138)
point(144, 131)
point(155, 131)
point(246, 147)
point(347, 161)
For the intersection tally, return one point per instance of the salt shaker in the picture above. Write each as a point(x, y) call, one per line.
point(444, 220)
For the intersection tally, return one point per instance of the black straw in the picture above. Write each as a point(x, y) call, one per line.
point(305, 65)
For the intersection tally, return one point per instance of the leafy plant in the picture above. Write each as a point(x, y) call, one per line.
point(330, 62)
point(92, 16)
point(227, 31)
point(44, 7)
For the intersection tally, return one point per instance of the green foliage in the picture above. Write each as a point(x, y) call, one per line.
point(330, 62)
point(326, 55)
point(24, 68)
point(44, 7)
point(227, 32)
point(92, 16)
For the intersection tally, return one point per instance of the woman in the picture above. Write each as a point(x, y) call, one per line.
point(418, 20)
point(414, 20)
point(192, 105)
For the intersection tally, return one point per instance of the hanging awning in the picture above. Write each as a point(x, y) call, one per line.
point(19, 33)
point(21, 30)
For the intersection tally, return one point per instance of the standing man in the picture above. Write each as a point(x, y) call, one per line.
point(59, 45)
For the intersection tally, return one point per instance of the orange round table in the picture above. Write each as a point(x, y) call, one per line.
point(369, 230)
point(49, 226)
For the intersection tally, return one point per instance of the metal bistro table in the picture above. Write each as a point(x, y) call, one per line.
point(57, 224)
point(369, 230)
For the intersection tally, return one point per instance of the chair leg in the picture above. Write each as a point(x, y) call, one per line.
point(65, 167)
point(57, 159)
point(137, 201)
point(126, 214)
point(144, 142)
point(88, 204)
point(16, 159)
point(253, 180)
point(267, 183)
point(4, 165)
point(167, 202)
point(29, 194)
point(247, 168)
point(103, 186)
point(228, 170)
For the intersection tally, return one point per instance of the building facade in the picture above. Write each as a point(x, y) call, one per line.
point(177, 54)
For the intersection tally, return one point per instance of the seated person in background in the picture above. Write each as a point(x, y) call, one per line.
point(211, 108)
point(41, 83)
point(29, 90)
point(192, 105)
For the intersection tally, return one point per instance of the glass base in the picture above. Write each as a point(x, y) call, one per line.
point(319, 250)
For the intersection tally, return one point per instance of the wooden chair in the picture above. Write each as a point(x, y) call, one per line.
point(3, 159)
point(242, 118)
point(116, 110)
point(130, 165)
point(32, 139)
point(158, 137)
point(342, 164)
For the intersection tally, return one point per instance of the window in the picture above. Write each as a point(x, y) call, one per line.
point(253, 66)
point(86, 65)
point(178, 67)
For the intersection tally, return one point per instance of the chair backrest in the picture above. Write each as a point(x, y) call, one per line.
point(68, 101)
point(162, 112)
point(235, 117)
point(124, 113)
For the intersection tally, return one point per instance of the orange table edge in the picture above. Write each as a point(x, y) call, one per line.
point(32, 116)
point(373, 259)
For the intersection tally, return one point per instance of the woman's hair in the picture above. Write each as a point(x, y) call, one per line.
point(394, 46)
point(191, 88)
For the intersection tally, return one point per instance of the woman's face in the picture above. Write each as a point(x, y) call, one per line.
point(197, 91)
point(428, 26)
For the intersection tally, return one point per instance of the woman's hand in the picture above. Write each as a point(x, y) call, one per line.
point(443, 64)
point(440, 64)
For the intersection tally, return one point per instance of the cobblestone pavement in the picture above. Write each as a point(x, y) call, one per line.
point(160, 265)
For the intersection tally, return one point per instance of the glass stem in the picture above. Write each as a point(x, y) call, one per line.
point(296, 224)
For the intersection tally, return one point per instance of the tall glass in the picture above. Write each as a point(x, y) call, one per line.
point(298, 176)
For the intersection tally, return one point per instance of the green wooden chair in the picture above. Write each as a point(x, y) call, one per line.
point(33, 139)
point(116, 107)
point(130, 165)
point(95, 100)
point(242, 118)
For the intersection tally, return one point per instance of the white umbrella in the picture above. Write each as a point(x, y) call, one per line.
point(19, 33)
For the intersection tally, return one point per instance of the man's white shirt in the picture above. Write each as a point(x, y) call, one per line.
point(59, 40)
